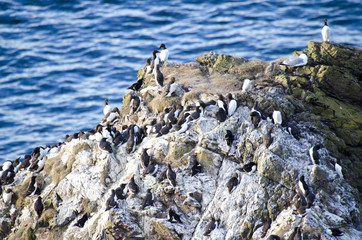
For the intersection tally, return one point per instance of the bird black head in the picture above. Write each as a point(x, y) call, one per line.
point(325, 22)
point(162, 46)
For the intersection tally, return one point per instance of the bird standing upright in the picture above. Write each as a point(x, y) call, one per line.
point(326, 32)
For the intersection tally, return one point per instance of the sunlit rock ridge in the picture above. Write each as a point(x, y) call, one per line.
point(320, 101)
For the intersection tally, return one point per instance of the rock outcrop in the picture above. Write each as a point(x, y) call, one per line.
point(320, 102)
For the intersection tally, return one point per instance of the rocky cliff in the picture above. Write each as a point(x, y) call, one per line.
point(249, 189)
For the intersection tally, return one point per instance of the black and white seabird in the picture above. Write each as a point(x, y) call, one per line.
point(221, 115)
point(294, 131)
point(38, 206)
point(310, 199)
point(137, 85)
point(25, 163)
point(112, 116)
point(7, 177)
point(145, 158)
point(171, 87)
point(171, 115)
point(151, 168)
point(301, 203)
point(132, 186)
point(80, 223)
point(110, 203)
point(326, 32)
point(196, 114)
point(249, 167)
point(303, 186)
point(8, 196)
point(131, 144)
point(335, 232)
point(159, 76)
point(120, 191)
point(255, 118)
point(197, 167)
point(106, 108)
point(173, 217)
point(233, 181)
point(313, 153)
point(221, 103)
point(210, 226)
point(232, 104)
point(273, 237)
point(135, 103)
point(171, 175)
point(32, 186)
point(246, 85)
point(267, 138)
point(147, 200)
point(229, 137)
point(165, 129)
point(338, 167)
point(155, 61)
point(105, 146)
point(8, 164)
point(148, 66)
point(298, 61)
point(164, 53)
point(277, 116)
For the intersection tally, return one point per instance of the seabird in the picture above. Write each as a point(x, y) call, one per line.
point(255, 118)
point(80, 223)
point(7, 176)
point(25, 163)
point(301, 203)
point(232, 104)
point(155, 61)
point(8, 164)
point(298, 235)
point(296, 61)
point(338, 167)
point(335, 232)
point(196, 168)
point(148, 199)
point(54, 149)
point(165, 129)
point(267, 138)
point(37, 166)
point(171, 89)
point(57, 199)
point(38, 206)
point(303, 186)
point(151, 168)
point(110, 203)
point(310, 199)
point(98, 134)
point(273, 237)
point(173, 217)
point(171, 175)
point(164, 53)
point(221, 115)
point(120, 191)
point(145, 158)
point(277, 116)
point(210, 226)
point(294, 131)
point(171, 115)
point(313, 153)
point(246, 85)
point(195, 115)
point(111, 116)
point(105, 146)
point(135, 103)
point(130, 145)
point(229, 137)
point(233, 181)
point(148, 66)
point(106, 108)
point(221, 103)
point(326, 32)
point(159, 76)
point(249, 167)
point(32, 186)
point(8, 196)
point(137, 85)
point(183, 127)
point(132, 186)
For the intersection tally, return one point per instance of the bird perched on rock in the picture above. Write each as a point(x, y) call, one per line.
point(298, 61)
point(135, 103)
point(80, 223)
point(147, 200)
point(326, 32)
point(229, 137)
point(38, 206)
point(267, 138)
point(255, 118)
point(310, 199)
point(249, 167)
point(277, 116)
point(131, 144)
point(32, 185)
point(210, 226)
point(106, 108)
point(246, 85)
point(233, 181)
point(338, 167)
point(301, 203)
point(173, 217)
point(171, 175)
point(303, 186)
point(273, 237)
point(155, 61)
point(335, 232)
point(120, 191)
point(232, 104)
point(8, 196)
point(196, 168)
point(159, 76)
point(164, 53)
point(151, 168)
point(313, 153)
point(294, 131)
point(137, 85)
point(105, 146)
point(221, 103)
point(148, 66)
point(221, 115)
point(110, 203)
point(132, 186)
point(25, 163)
point(145, 158)
point(171, 87)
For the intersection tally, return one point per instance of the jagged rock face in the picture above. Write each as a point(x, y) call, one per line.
point(264, 200)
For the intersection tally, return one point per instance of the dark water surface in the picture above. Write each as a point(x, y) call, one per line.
point(60, 59)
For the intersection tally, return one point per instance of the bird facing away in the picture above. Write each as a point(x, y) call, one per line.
point(137, 85)
point(196, 168)
point(110, 203)
point(229, 137)
point(147, 200)
point(267, 138)
point(326, 32)
point(173, 217)
point(233, 181)
point(255, 118)
point(132, 186)
point(120, 191)
point(145, 158)
point(171, 175)
point(38, 206)
point(210, 226)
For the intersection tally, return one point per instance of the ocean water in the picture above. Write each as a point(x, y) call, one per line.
point(59, 59)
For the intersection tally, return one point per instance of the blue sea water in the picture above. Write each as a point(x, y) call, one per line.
point(59, 59)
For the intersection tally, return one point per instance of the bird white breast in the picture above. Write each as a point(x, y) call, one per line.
point(232, 107)
point(98, 136)
point(164, 55)
point(184, 127)
point(7, 197)
point(54, 150)
point(40, 165)
point(172, 89)
point(338, 169)
point(326, 33)
point(246, 85)
point(311, 154)
point(7, 165)
point(300, 184)
point(148, 69)
point(107, 134)
point(107, 109)
point(277, 117)
point(220, 104)
point(111, 116)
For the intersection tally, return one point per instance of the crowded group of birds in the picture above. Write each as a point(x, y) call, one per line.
point(177, 119)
